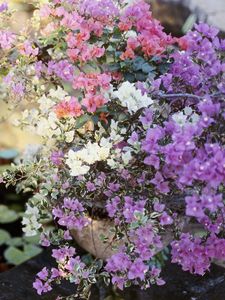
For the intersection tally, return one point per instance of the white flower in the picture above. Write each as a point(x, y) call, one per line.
point(180, 118)
point(47, 127)
point(69, 136)
point(45, 104)
point(59, 93)
point(126, 157)
point(79, 161)
point(76, 166)
point(30, 153)
point(186, 116)
point(30, 221)
point(131, 97)
point(131, 34)
point(31, 226)
point(112, 163)
point(32, 211)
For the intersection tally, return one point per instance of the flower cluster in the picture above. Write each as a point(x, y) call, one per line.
point(131, 122)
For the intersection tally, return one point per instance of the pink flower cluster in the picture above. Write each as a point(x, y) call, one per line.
point(68, 108)
point(150, 36)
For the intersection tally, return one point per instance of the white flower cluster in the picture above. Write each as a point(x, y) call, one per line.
point(131, 97)
point(79, 161)
point(30, 221)
point(186, 116)
point(43, 121)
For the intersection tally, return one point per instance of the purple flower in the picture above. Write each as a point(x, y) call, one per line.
point(63, 69)
point(118, 262)
point(112, 206)
point(147, 118)
point(159, 207)
point(194, 207)
point(43, 274)
point(44, 240)
point(63, 253)
point(57, 157)
point(152, 160)
point(190, 254)
point(118, 281)
point(137, 270)
point(165, 219)
point(18, 89)
point(3, 6)
point(99, 8)
point(90, 186)
point(41, 287)
point(28, 49)
point(73, 204)
point(114, 187)
point(133, 138)
point(65, 185)
point(67, 235)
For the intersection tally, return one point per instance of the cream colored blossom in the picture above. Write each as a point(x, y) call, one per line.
point(131, 97)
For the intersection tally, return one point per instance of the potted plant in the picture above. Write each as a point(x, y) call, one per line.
point(131, 122)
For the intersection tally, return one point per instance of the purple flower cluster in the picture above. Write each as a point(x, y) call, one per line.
point(125, 209)
point(99, 8)
point(124, 271)
point(154, 168)
point(70, 214)
point(194, 255)
point(63, 69)
point(7, 39)
point(3, 6)
point(69, 267)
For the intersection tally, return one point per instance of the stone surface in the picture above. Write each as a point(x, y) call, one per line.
point(210, 11)
point(17, 285)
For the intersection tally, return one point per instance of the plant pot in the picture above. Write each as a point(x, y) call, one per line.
point(89, 238)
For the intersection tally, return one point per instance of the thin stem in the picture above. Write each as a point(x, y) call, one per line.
point(187, 95)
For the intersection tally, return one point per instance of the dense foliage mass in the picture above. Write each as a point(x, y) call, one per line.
point(132, 127)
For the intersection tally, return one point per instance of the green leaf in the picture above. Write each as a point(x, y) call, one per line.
point(147, 68)
point(15, 256)
point(138, 63)
point(32, 239)
point(8, 154)
point(4, 236)
point(3, 168)
point(129, 77)
point(140, 76)
point(7, 215)
point(32, 250)
point(81, 121)
point(16, 241)
point(189, 23)
point(114, 67)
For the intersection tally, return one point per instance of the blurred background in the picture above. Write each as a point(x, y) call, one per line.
point(177, 16)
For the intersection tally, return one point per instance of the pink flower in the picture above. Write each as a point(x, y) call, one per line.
point(71, 108)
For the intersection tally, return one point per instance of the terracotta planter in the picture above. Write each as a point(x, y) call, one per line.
point(89, 238)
